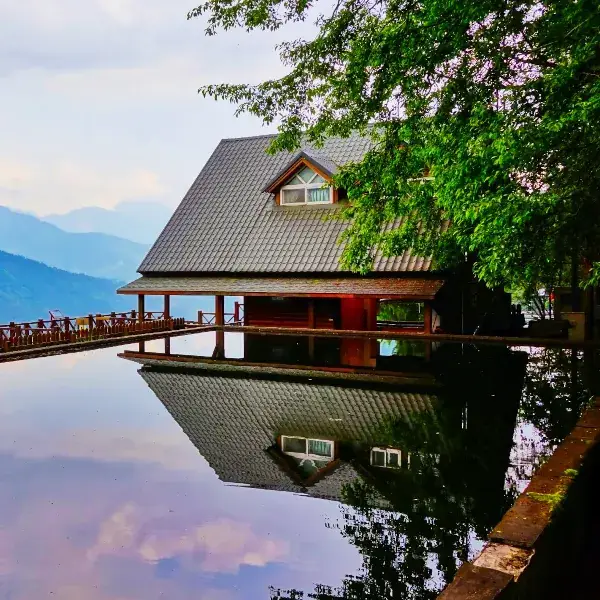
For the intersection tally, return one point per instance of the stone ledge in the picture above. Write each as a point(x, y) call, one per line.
point(477, 583)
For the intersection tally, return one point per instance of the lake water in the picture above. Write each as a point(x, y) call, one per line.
point(346, 469)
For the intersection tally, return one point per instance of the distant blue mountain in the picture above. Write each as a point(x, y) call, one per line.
point(29, 289)
point(95, 254)
point(137, 221)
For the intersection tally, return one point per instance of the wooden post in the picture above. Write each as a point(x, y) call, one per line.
point(219, 351)
point(200, 317)
point(311, 313)
point(219, 311)
point(90, 323)
point(236, 313)
point(141, 308)
point(427, 316)
point(167, 345)
point(167, 308)
point(67, 329)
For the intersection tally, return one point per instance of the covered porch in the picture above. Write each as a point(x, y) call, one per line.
point(344, 303)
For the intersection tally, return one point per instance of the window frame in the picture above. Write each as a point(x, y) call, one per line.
point(307, 455)
point(306, 186)
point(387, 452)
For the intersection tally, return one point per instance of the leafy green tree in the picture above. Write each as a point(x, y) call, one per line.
point(484, 114)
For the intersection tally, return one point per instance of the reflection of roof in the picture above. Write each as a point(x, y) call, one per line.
point(233, 421)
point(227, 224)
point(381, 287)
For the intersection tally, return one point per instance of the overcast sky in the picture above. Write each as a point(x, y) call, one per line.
point(99, 103)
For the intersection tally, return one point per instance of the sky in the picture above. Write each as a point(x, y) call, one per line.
point(99, 102)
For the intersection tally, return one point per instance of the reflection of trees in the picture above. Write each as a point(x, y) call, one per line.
point(555, 391)
point(413, 546)
point(413, 527)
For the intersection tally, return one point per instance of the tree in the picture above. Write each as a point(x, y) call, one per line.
point(484, 114)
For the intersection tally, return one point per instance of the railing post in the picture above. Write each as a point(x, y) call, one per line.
point(90, 323)
point(236, 312)
point(67, 329)
point(200, 317)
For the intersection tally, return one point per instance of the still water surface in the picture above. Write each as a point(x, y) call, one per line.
point(128, 480)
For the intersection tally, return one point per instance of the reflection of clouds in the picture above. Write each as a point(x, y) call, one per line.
point(157, 446)
point(219, 546)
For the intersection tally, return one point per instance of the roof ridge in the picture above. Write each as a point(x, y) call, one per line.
point(249, 137)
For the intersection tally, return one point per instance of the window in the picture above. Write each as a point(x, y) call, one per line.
point(306, 187)
point(307, 448)
point(389, 458)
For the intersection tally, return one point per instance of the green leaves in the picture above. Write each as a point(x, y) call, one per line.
point(500, 104)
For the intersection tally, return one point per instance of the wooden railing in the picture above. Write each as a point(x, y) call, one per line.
point(210, 318)
point(16, 336)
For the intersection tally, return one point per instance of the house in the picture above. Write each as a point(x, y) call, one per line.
point(263, 227)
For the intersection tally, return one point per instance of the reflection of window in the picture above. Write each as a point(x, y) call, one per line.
point(389, 458)
point(307, 448)
point(306, 187)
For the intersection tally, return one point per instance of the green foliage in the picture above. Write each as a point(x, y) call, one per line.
point(553, 500)
point(401, 311)
point(499, 103)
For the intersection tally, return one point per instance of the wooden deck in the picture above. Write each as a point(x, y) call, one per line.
point(69, 330)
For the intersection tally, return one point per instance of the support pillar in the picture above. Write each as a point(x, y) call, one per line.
point(219, 311)
point(141, 307)
point(167, 345)
point(311, 314)
point(167, 307)
point(427, 318)
point(219, 322)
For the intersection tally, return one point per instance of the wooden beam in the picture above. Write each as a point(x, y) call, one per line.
point(141, 307)
point(427, 318)
point(219, 311)
point(281, 294)
point(167, 307)
point(311, 313)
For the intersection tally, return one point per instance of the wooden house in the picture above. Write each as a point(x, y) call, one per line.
point(263, 227)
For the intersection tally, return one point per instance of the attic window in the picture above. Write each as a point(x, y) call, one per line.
point(306, 187)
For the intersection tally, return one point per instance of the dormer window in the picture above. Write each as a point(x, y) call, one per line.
point(306, 187)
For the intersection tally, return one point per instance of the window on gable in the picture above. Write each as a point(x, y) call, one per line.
point(306, 187)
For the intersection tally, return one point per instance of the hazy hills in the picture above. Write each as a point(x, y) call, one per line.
point(29, 289)
point(137, 221)
point(95, 254)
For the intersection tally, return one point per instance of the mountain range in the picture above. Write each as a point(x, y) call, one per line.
point(137, 221)
point(95, 254)
point(29, 289)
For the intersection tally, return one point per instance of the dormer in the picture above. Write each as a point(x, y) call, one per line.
point(306, 180)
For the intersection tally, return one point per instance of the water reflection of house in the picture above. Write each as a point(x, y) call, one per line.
point(283, 434)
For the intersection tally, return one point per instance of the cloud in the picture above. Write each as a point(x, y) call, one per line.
point(100, 102)
point(26, 186)
point(219, 546)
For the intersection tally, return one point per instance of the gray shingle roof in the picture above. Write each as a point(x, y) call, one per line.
point(232, 421)
point(227, 224)
point(406, 288)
